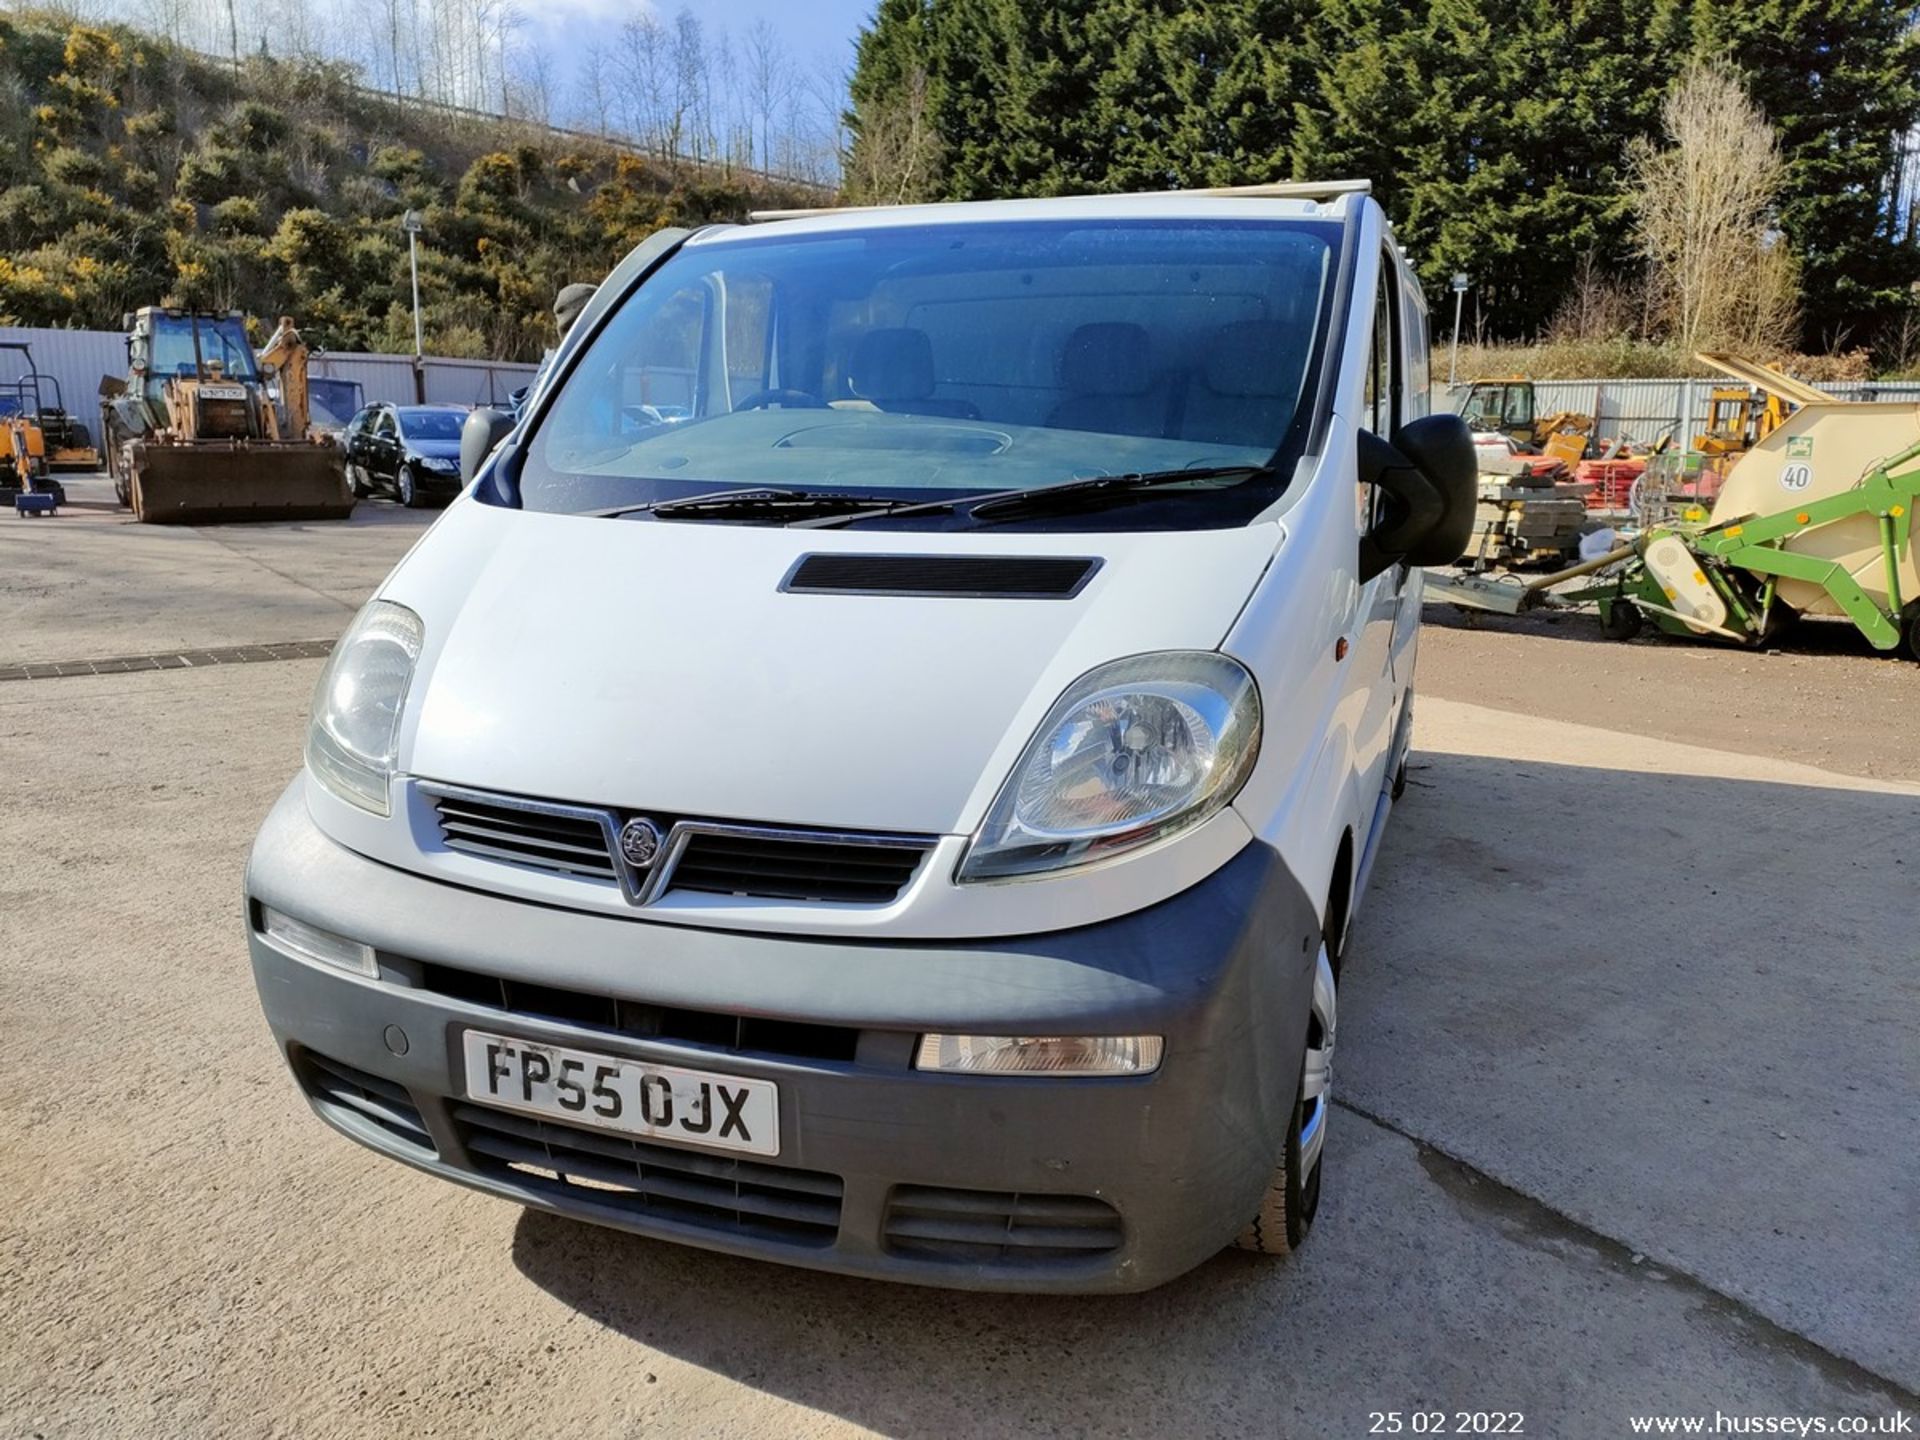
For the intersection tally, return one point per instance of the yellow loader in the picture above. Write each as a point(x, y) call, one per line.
point(195, 434)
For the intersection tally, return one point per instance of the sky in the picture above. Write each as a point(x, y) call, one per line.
point(556, 36)
point(815, 30)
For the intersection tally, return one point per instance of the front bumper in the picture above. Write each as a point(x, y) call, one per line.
point(1010, 1183)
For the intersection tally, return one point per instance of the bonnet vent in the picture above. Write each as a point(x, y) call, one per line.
point(1005, 577)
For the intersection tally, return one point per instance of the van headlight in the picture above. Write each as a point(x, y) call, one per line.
point(1135, 751)
point(354, 732)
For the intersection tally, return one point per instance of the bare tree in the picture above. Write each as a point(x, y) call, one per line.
point(596, 86)
point(642, 66)
point(169, 18)
point(533, 81)
point(418, 50)
point(506, 21)
point(1599, 306)
point(378, 43)
point(689, 95)
point(895, 158)
point(769, 85)
point(1723, 274)
point(719, 100)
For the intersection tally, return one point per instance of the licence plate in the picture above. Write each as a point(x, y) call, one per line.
point(223, 392)
point(637, 1097)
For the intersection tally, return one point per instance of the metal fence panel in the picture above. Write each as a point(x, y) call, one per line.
point(476, 382)
point(1643, 410)
point(76, 359)
point(381, 377)
point(455, 382)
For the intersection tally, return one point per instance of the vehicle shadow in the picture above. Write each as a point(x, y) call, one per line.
point(1819, 636)
point(1615, 989)
point(896, 1358)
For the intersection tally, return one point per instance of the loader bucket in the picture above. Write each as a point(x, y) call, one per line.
point(208, 484)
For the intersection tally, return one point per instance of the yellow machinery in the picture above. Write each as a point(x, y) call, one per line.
point(1505, 405)
point(283, 368)
point(1817, 519)
point(203, 430)
point(35, 397)
point(24, 481)
point(1740, 416)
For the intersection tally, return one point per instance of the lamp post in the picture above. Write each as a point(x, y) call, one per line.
point(1453, 356)
point(410, 222)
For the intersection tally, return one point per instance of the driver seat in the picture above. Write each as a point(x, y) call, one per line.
point(892, 369)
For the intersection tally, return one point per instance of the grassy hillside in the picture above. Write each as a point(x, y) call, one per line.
point(133, 173)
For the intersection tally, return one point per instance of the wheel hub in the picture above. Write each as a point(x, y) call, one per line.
point(1316, 1080)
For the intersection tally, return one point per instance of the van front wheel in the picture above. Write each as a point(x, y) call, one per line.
point(1292, 1198)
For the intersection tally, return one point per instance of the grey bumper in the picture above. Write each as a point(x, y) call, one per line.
point(989, 1183)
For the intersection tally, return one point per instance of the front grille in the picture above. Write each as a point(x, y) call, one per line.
point(970, 1226)
point(713, 1192)
point(698, 856)
point(346, 1091)
point(785, 868)
point(546, 839)
point(741, 1034)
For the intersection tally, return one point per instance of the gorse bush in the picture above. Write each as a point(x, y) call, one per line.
point(238, 215)
point(70, 165)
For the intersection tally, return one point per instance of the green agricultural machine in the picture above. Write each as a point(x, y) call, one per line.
point(1816, 519)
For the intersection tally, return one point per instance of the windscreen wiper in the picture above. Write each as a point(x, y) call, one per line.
point(1066, 495)
point(761, 500)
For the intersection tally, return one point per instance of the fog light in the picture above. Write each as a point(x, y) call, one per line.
point(1040, 1054)
point(313, 943)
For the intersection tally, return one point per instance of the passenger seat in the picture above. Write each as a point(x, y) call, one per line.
point(892, 369)
point(1107, 374)
point(1248, 386)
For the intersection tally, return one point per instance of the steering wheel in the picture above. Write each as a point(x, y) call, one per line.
point(791, 399)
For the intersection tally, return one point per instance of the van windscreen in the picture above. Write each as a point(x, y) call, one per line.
point(917, 362)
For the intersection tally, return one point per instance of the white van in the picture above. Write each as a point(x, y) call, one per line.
point(877, 769)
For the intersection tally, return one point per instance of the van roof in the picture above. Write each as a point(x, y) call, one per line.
point(1290, 199)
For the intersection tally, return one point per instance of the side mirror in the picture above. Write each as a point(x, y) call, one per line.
point(483, 430)
point(1429, 480)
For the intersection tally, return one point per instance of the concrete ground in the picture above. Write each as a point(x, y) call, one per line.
point(1629, 1079)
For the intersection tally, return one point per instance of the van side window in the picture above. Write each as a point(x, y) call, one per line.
point(1382, 410)
point(1386, 380)
point(748, 334)
point(1413, 321)
point(661, 374)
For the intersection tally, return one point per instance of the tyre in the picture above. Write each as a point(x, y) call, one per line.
point(362, 486)
point(1406, 755)
point(1292, 1198)
point(409, 488)
point(1621, 620)
point(1910, 631)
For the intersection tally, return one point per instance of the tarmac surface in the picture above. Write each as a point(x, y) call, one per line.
point(1629, 1083)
